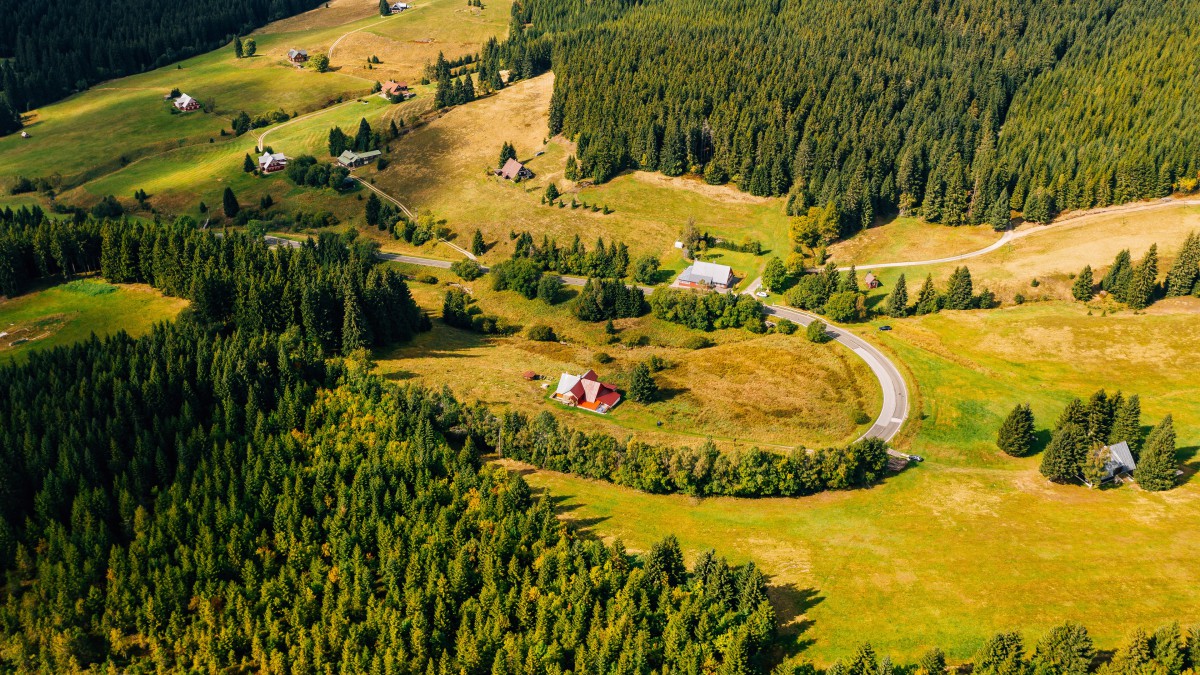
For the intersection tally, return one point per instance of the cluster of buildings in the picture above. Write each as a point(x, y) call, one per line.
point(586, 391)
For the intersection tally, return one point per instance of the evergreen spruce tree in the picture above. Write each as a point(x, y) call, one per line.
point(1065, 650)
point(1081, 290)
point(1116, 280)
point(848, 283)
point(1099, 417)
point(1144, 284)
point(642, 387)
point(1181, 278)
point(551, 193)
point(1075, 413)
point(237, 47)
point(1061, 460)
point(1127, 424)
point(229, 203)
point(1156, 465)
point(478, 247)
point(385, 9)
point(932, 662)
point(355, 330)
point(897, 300)
point(362, 139)
point(959, 290)
point(338, 142)
point(373, 210)
point(999, 216)
point(928, 301)
point(1017, 432)
point(248, 164)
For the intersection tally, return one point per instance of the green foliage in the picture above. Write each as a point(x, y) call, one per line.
point(1065, 650)
point(1063, 457)
point(845, 307)
point(642, 389)
point(1082, 289)
point(611, 261)
point(549, 288)
point(507, 152)
point(540, 332)
point(897, 301)
point(606, 299)
point(1017, 433)
point(1117, 280)
point(1185, 272)
point(1144, 283)
point(786, 326)
point(1003, 654)
point(460, 311)
point(959, 291)
point(229, 203)
point(1127, 423)
point(774, 275)
point(518, 274)
point(478, 246)
point(928, 300)
point(817, 333)
point(248, 164)
point(385, 8)
point(318, 62)
point(249, 47)
point(932, 662)
point(707, 311)
point(1157, 464)
point(467, 270)
point(645, 269)
point(551, 193)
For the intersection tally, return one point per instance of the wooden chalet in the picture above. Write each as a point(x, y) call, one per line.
point(396, 90)
point(351, 159)
point(270, 162)
point(298, 56)
point(186, 103)
point(514, 170)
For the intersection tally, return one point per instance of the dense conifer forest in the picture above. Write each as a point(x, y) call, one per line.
point(57, 49)
point(955, 110)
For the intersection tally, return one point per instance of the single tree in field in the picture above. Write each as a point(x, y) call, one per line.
point(249, 47)
point(897, 300)
point(1065, 650)
point(645, 268)
point(1016, 435)
point(551, 193)
point(319, 63)
point(248, 164)
point(1156, 467)
point(1144, 284)
point(373, 208)
point(1127, 424)
point(384, 8)
point(928, 301)
point(816, 332)
point(774, 275)
point(478, 247)
point(237, 47)
point(1081, 290)
point(229, 203)
point(1060, 462)
point(641, 384)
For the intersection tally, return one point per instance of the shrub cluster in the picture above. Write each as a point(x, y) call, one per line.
point(707, 311)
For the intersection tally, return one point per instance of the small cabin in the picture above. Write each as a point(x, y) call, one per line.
point(298, 56)
point(400, 6)
point(514, 170)
point(871, 280)
point(351, 159)
point(396, 90)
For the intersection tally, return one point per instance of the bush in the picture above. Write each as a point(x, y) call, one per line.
point(816, 332)
point(785, 326)
point(548, 288)
point(468, 270)
point(518, 274)
point(602, 358)
point(540, 332)
point(846, 306)
point(427, 279)
point(697, 342)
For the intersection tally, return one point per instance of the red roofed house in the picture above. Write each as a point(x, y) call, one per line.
point(392, 90)
point(514, 170)
point(871, 280)
point(586, 391)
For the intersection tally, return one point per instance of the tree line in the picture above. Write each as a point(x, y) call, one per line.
point(1137, 285)
point(50, 50)
point(960, 112)
point(703, 471)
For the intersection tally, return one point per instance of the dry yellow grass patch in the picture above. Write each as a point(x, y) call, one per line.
point(908, 238)
point(337, 12)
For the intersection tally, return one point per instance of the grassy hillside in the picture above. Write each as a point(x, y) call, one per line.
point(970, 542)
point(71, 312)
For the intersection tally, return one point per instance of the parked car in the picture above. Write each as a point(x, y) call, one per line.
point(885, 327)
point(916, 458)
point(762, 294)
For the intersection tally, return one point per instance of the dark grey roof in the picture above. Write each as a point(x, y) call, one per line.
point(1121, 453)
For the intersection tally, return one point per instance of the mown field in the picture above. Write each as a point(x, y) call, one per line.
point(71, 312)
point(970, 542)
point(773, 391)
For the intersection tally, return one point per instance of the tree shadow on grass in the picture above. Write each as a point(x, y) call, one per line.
point(1041, 438)
point(791, 604)
point(1188, 462)
point(564, 507)
point(667, 393)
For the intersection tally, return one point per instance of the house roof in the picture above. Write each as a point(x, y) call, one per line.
point(393, 87)
point(869, 278)
point(1120, 453)
point(347, 156)
point(293, 53)
point(368, 154)
point(184, 99)
point(268, 157)
point(511, 168)
point(706, 272)
point(566, 383)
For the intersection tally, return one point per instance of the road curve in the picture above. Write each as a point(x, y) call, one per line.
point(895, 389)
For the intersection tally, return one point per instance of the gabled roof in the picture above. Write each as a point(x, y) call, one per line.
point(869, 278)
point(184, 99)
point(1120, 453)
point(392, 87)
point(268, 157)
point(511, 169)
point(566, 383)
point(368, 154)
point(706, 272)
point(347, 156)
point(293, 53)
